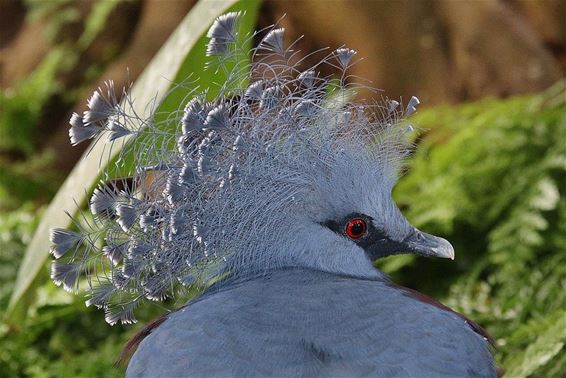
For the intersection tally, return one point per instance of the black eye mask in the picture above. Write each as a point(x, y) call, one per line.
point(372, 238)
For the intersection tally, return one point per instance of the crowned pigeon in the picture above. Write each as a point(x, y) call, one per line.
point(274, 198)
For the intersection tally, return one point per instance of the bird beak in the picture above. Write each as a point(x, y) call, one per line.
point(428, 245)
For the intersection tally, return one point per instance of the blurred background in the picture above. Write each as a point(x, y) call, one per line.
point(488, 174)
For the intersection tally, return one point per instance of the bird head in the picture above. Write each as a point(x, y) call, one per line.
point(335, 212)
point(281, 169)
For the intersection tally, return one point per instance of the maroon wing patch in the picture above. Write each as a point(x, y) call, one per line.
point(132, 345)
point(431, 301)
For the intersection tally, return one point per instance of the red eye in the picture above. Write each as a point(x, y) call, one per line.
point(356, 228)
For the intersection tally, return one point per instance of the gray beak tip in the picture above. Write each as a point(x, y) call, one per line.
point(430, 245)
point(445, 251)
point(440, 247)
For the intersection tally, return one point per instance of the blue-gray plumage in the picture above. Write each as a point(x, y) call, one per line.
point(279, 189)
point(303, 323)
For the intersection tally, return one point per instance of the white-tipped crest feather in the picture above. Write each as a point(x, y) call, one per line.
point(235, 185)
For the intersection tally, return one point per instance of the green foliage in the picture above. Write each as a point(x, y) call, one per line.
point(22, 105)
point(58, 13)
point(26, 174)
point(166, 63)
point(490, 177)
point(60, 337)
point(29, 179)
point(16, 229)
point(96, 21)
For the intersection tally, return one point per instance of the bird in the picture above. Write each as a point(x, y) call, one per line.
point(269, 194)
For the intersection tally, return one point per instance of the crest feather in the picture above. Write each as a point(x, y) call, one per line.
point(218, 188)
